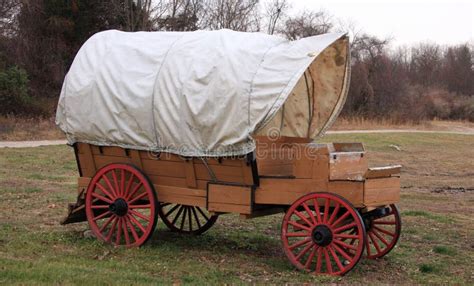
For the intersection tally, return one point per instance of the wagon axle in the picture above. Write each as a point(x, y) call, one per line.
point(119, 207)
point(322, 235)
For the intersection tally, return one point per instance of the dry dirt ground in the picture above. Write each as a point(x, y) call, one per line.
point(436, 246)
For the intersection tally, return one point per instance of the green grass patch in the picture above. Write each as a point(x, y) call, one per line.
point(442, 249)
point(429, 215)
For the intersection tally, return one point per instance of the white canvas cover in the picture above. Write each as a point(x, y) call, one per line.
point(202, 93)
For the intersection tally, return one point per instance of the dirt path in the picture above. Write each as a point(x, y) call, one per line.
point(26, 144)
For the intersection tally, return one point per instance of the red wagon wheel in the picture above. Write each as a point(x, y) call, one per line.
point(383, 233)
point(186, 219)
point(121, 205)
point(313, 232)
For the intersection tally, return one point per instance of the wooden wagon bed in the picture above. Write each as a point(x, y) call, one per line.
point(270, 179)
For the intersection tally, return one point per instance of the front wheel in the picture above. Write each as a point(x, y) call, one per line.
point(314, 231)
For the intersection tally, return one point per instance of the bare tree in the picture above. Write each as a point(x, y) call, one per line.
point(275, 11)
point(178, 15)
point(8, 10)
point(306, 24)
point(238, 15)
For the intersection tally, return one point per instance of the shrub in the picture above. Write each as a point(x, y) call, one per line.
point(14, 97)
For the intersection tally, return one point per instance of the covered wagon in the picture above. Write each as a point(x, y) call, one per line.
point(187, 126)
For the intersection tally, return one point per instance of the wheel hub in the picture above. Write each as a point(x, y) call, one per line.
point(322, 235)
point(119, 207)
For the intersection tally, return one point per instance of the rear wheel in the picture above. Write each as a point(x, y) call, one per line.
point(383, 233)
point(314, 231)
point(186, 219)
point(121, 205)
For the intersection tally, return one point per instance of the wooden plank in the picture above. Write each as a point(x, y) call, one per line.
point(109, 151)
point(183, 200)
point(321, 168)
point(263, 212)
point(229, 194)
point(381, 191)
point(247, 173)
point(221, 207)
point(286, 191)
point(82, 184)
point(351, 190)
point(170, 190)
point(136, 159)
point(348, 147)
point(223, 173)
point(190, 175)
point(103, 160)
point(347, 166)
point(87, 161)
point(381, 172)
point(164, 168)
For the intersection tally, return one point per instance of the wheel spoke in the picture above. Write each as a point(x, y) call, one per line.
point(114, 176)
point(303, 251)
point(125, 231)
point(102, 188)
point(106, 223)
point(132, 229)
point(328, 260)
point(295, 224)
point(129, 185)
point(147, 206)
point(107, 181)
point(299, 243)
point(345, 245)
point(384, 231)
point(137, 187)
point(317, 210)
point(140, 215)
point(171, 210)
point(99, 207)
point(190, 220)
point(297, 234)
point(346, 236)
point(376, 244)
point(102, 215)
point(136, 222)
point(140, 196)
point(343, 217)
point(326, 211)
point(319, 261)
point(303, 218)
point(342, 252)
point(380, 237)
point(307, 265)
point(183, 219)
point(177, 215)
point(345, 227)
point(119, 231)
point(196, 218)
point(334, 256)
point(112, 229)
point(102, 198)
point(334, 213)
point(202, 213)
point(309, 212)
point(122, 181)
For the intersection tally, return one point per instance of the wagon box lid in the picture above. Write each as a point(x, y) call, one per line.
point(202, 93)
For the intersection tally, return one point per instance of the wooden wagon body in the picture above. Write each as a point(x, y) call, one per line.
point(187, 141)
point(272, 178)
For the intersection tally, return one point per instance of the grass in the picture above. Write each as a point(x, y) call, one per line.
point(436, 245)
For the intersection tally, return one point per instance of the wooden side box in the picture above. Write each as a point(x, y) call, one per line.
point(381, 191)
point(229, 198)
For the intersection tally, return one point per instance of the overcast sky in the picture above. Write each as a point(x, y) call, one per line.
point(406, 21)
